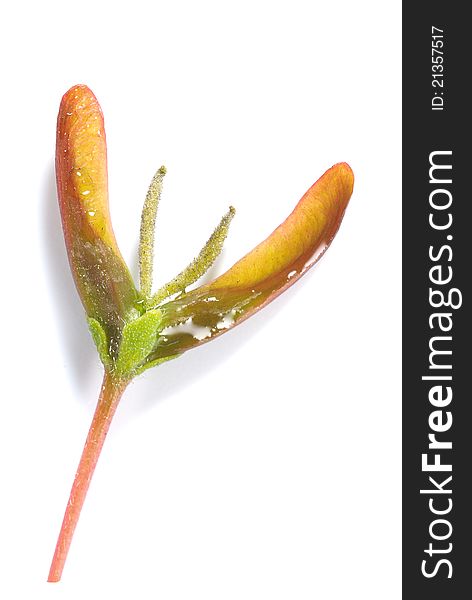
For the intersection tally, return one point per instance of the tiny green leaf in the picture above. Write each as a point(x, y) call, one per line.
point(154, 363)
point(100, 338)
point(138, 340)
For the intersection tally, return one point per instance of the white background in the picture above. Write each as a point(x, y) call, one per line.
point(265, 464)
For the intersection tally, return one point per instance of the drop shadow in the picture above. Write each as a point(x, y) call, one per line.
point(77, 346)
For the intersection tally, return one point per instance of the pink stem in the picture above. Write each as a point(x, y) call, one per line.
point(110, 395)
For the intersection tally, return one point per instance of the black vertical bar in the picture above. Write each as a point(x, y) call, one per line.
point(437, 259)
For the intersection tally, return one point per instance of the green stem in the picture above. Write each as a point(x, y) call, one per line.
point(110, 395)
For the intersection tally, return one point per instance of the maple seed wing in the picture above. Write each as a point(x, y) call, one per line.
point(264, 273)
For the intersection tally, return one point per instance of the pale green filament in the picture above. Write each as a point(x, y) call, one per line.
point(200, 265)
point(146, 242)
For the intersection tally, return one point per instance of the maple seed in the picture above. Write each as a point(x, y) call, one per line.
point(136, 329)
